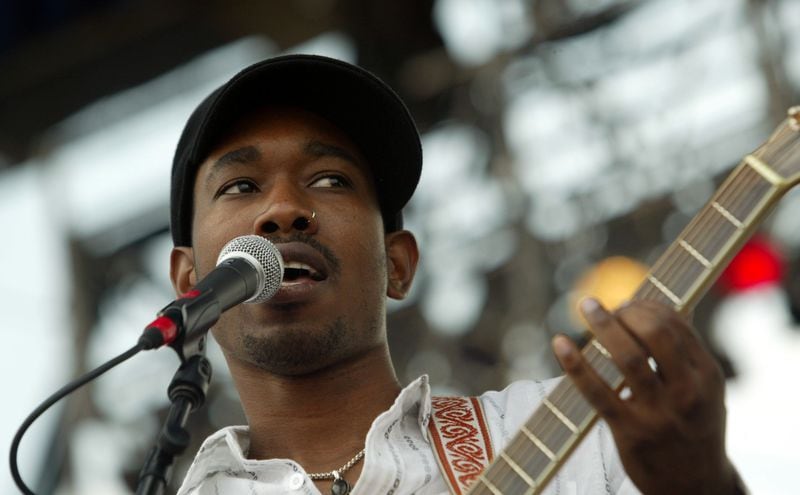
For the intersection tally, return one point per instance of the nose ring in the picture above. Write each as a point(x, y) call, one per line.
point(302, 223)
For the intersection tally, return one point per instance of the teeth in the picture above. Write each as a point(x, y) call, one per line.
point(295, 269)
point(298, 266)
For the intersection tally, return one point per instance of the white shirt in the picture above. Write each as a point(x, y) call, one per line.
point(399, 458)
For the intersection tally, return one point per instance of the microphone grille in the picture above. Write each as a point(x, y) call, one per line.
point(266, 255)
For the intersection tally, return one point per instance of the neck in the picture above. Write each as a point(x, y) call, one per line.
point(320, 419)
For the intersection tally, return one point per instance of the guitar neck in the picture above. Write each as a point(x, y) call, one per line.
point(679, 278)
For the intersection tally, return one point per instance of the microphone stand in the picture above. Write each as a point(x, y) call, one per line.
point(187, 392)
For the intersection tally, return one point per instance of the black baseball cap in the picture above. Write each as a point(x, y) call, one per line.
point(365, 108)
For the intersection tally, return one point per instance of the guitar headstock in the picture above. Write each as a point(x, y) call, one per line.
point(781, 152)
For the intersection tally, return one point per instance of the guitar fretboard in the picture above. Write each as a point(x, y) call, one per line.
point(679, 278)
point(681, 275)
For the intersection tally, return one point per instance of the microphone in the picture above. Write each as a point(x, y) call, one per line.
point(249, 269)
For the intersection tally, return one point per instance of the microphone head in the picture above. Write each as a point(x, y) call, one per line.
point(264, 257)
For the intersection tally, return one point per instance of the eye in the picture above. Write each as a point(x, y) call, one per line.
point(332, 180)
point(239, 186)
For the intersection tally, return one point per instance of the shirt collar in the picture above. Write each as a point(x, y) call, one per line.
point(227, 448)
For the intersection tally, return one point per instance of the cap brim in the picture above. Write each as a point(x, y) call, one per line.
point(354, 100)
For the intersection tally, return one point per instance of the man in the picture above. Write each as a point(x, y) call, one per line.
point(320, 157)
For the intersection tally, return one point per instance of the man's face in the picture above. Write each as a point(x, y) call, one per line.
point(269, 177)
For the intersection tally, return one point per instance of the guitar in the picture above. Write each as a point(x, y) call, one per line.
point(679, 278)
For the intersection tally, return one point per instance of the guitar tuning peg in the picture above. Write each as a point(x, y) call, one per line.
point(794, 114)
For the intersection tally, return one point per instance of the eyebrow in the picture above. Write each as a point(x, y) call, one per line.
point(250, 154)
point(318, 149)
point(245, 155)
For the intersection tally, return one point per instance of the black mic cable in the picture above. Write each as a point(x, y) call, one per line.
point(58, 395)
point(249, 269)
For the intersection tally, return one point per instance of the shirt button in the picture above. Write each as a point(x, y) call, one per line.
point(296, 481)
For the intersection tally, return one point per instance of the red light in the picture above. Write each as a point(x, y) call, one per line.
point(758, 263)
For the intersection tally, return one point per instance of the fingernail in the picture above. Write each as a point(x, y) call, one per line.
point(562, 346)
point(589, 305)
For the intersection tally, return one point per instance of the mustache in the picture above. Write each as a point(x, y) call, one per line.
point(325, 251)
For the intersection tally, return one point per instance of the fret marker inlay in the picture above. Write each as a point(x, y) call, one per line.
point(522, 474)
point(560, 415)
point(728, 215)
point(533, 438)
point(665, 290)
point(695, 253)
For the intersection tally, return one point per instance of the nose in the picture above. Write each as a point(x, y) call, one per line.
point(285, 211)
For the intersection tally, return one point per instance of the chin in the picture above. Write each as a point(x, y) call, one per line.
point(296, 351)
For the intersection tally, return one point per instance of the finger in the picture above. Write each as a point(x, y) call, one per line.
point(696, 349)
point(691, 376)
point(704, 369)
point(626, 352)
point(664, 335)
point(588, 382)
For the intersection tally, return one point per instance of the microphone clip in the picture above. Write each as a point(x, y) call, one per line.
point(183, 324)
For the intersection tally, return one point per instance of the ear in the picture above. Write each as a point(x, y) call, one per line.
point(181, 269)
point(402, 255)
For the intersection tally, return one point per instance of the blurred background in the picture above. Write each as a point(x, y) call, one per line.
point(566, 143)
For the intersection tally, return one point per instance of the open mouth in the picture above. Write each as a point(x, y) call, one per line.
point(304, 271)
point(295, 271)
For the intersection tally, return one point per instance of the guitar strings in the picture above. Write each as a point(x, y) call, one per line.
point(521, 448)
point(704, 232)
point(741, 193)
point(670, 261)
point(743, 189)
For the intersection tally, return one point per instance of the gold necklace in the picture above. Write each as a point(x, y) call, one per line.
point(340, 485)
